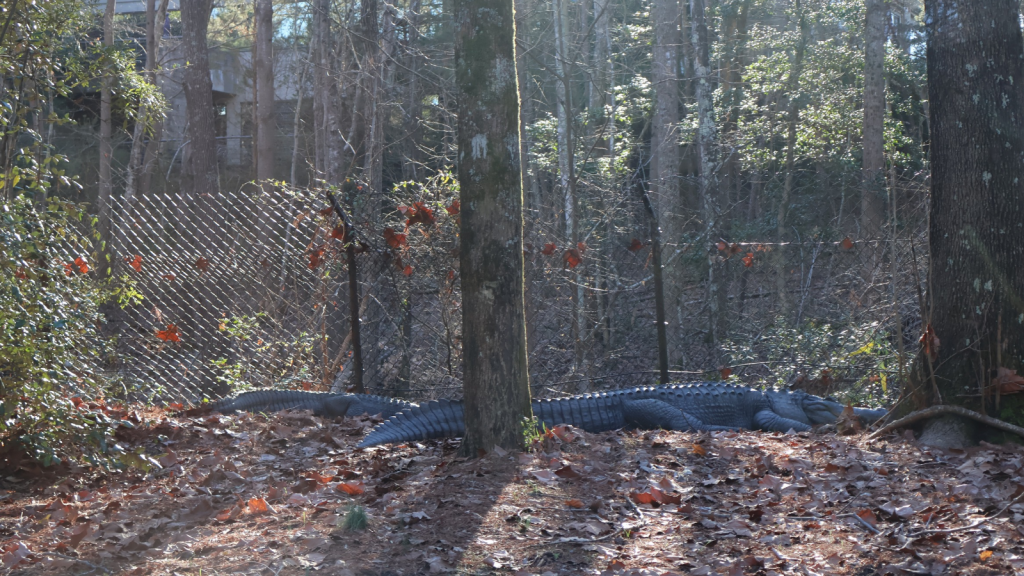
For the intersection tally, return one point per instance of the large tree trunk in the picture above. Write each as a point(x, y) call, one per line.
point(264, 73)
point(976, 281)
point(496, 380)
point(872, 206)
point(106, 149)
point(327, 129)
point(380, 82)
point(664, 184)
point(195, 19)
point(707, 142)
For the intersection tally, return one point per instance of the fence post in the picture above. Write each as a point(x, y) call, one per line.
point(353, 295)
point(659, 290)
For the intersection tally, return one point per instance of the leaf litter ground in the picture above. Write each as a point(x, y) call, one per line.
point(282, 495)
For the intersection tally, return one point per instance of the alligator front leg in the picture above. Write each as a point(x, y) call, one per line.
point(772, 422)
point(652, 414)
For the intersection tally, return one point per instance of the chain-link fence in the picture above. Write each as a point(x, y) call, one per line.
point(252, 289)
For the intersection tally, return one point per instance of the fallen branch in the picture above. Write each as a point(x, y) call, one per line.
point(946, 409)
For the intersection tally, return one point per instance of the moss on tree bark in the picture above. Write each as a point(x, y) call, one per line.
point(495, 376)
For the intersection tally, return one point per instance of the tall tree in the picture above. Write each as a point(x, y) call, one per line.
point(106, 149)
point(149, 162)
point(707, 142)
point(202, 165)
point(872, 206)
point(495, 376)
point(567, 161)
point(976, 287)
point(327, 128)
point(144, 116)
point(195, 21)
point(665, 120)
point(264, 93)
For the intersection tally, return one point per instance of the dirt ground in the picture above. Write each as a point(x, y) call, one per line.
point(290, 494)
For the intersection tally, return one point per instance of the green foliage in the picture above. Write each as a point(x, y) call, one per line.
point(49, 313)
point(532, 430)
point(355, 518)
point(50, 347)
point(260, 357)
point(860, 358)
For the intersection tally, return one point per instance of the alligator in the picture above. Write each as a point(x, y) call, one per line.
point(699, 406)
point(321, 403)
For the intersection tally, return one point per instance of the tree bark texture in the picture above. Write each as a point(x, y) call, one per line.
point(412, 113)
point(665, 121)
point(325, 103)
point(496, 380)
point(602, 99)
point(264, 73)
point(195, 20)
point(873, 194)
point(707, 150)
point(106, 183)
point(976, 281)
point(131, 173)
point(149, 162)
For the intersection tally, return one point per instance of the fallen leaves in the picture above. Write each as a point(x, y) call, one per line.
point(272, 490)
point(1007, 381)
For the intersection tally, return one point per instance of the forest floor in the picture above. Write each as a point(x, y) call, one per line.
point(282, 495)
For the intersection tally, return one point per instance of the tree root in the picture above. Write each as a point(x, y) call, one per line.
point(946, 409)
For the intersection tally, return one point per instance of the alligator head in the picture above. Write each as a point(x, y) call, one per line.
point(810, 409)
point(803, 407)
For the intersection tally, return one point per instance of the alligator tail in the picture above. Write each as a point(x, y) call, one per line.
point(272, 401)
point(438, 419)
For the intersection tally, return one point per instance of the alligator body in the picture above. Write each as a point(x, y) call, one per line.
point(703, 406)
point(321, 403)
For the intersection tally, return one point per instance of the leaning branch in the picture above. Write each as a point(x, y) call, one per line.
point(945, 409)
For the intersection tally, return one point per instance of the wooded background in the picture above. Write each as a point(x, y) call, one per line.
point(773, 151)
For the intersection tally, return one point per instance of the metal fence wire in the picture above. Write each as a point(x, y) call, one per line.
point(250, 288)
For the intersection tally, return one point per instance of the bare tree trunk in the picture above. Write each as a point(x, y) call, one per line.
point(602, 100)
point(529, 171)
point(143, 117)
point(872, 207)
point(566, 166)
point(793, 118)
point(665, 121)
point(373, 164)
point(149, 163)
point(412, 113)
point(293, 172)
point(665, 156)
point(195, 19)
point(496, 379)
point(707, 136)
point(976, 282)
point(106, 150)
point(264, 75)
point(328, 127)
